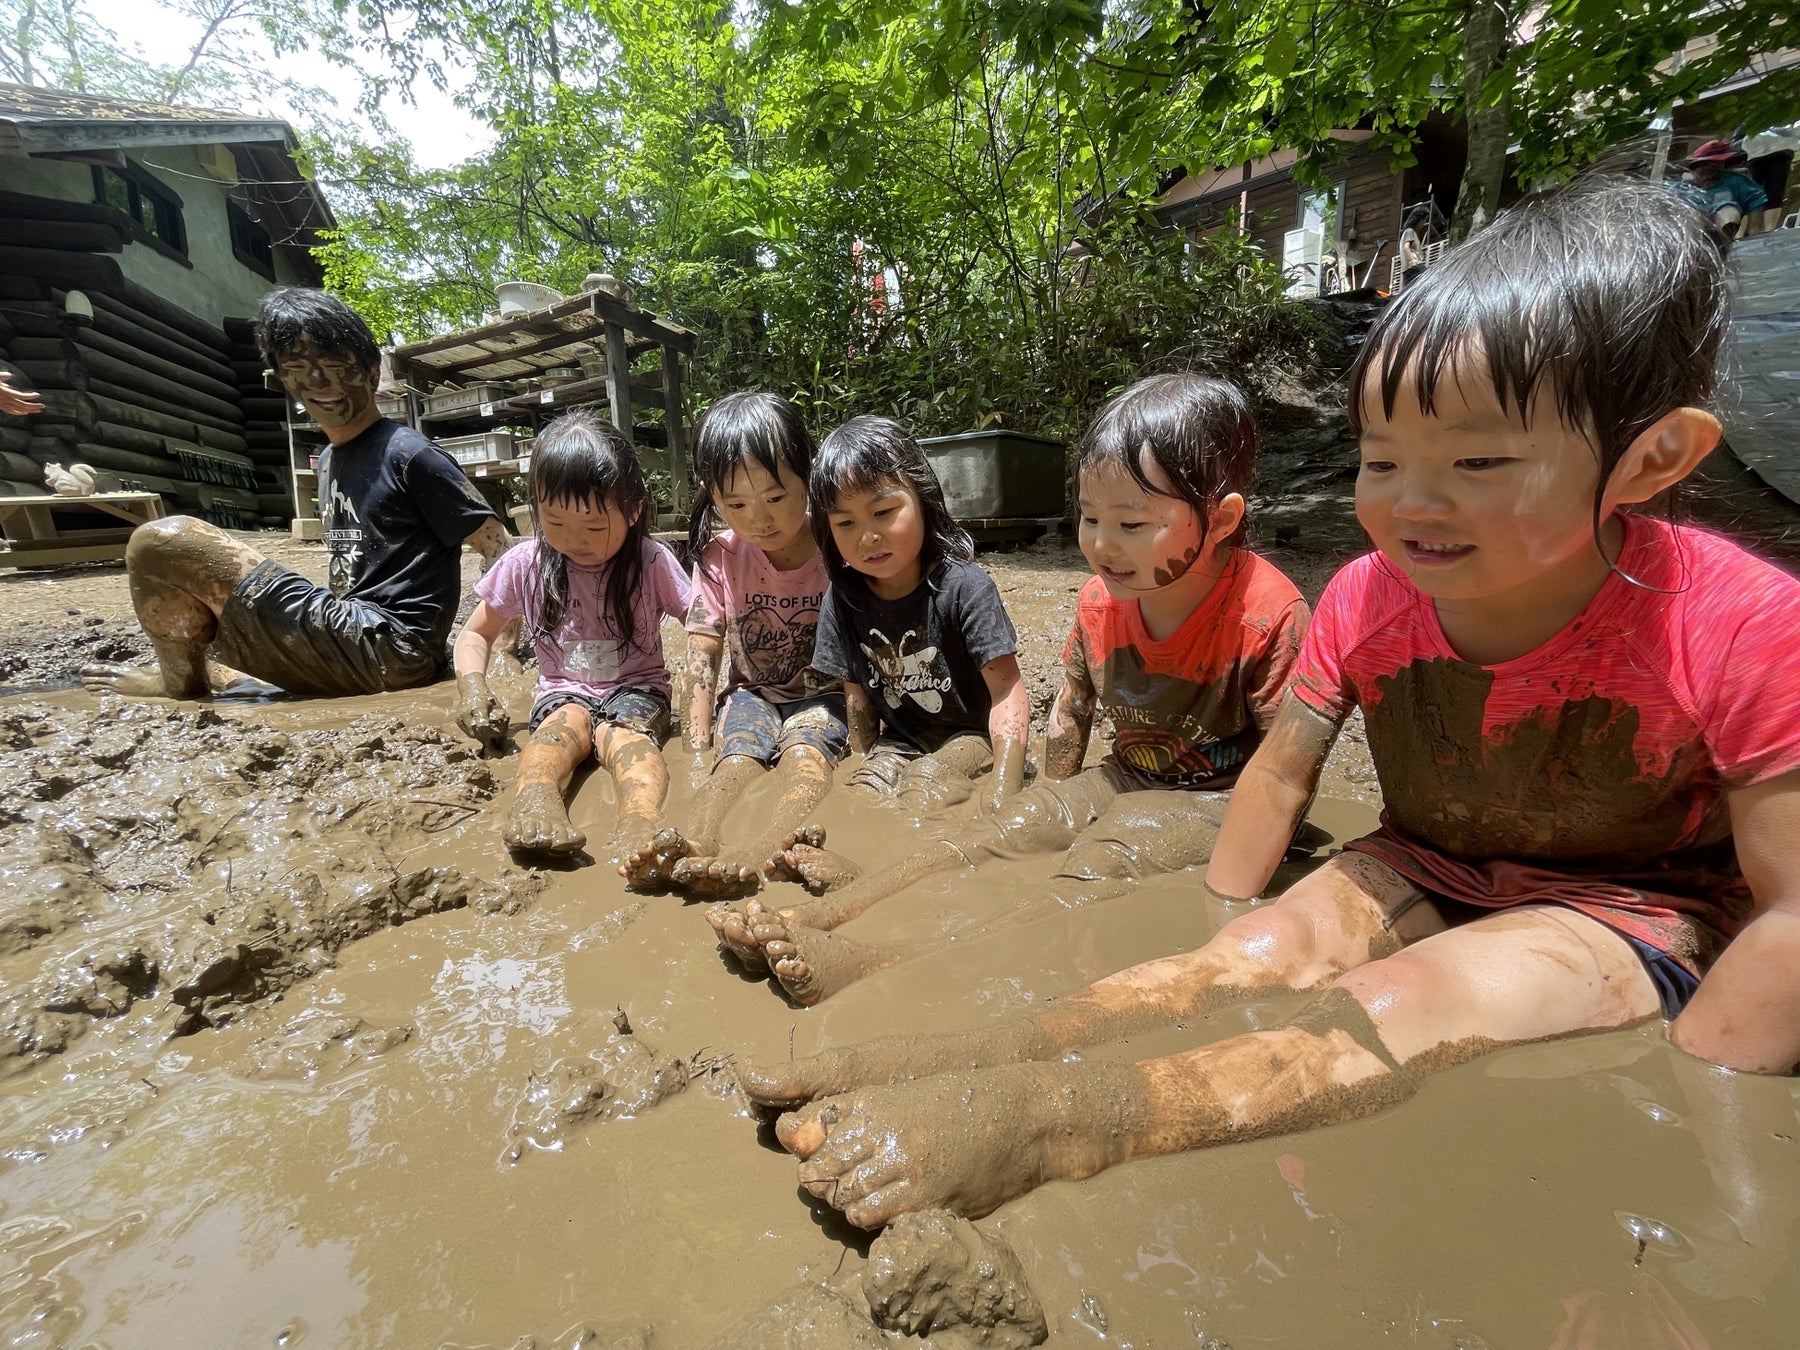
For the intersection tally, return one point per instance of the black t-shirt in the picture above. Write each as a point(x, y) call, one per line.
point(396, 510)
point(919, 658)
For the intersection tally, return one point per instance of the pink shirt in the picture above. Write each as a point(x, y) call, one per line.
point(584, 655)
point(1591, 772)
point(767, 618)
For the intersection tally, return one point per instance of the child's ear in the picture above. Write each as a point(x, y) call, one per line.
point(1225, 516)
point(1664, 453)
point(636, 515)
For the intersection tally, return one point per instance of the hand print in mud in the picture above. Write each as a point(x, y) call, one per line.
point(917, 675)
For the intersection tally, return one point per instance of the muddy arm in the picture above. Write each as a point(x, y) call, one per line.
point(490, 540)
point(1269, 800)
point(703, 654)
point(480, 715)
point(860, 714)
point(1071, 727)
point(1009, 724)
point(1746, 1013)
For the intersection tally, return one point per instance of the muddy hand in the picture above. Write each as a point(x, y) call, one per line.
point(481, 716)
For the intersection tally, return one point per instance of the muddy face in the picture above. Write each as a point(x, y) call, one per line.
point(337, 389)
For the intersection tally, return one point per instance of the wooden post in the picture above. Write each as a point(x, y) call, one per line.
point(676, 428)
point(618, 378)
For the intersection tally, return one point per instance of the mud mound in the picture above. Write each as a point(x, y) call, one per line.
point(176, 856)
point(57, 650)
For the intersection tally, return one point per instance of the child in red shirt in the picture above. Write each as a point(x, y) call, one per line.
point(1183, 638)
point(1586, 723)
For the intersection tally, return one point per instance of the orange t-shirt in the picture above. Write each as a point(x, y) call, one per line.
point(1188, 711)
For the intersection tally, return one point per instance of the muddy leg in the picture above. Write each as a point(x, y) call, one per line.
point(539, 819)
point(640, 786)
point(182, 572)
point(945, 777)
point(1351, 911)
point(1140, 834)
point(805, 777)
point(661, 861)
point(971, 1141)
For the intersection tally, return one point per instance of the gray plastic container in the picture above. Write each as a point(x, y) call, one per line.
point(999, 475)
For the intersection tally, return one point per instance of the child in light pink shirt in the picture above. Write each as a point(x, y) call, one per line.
point(592, 589)
point(758, 587)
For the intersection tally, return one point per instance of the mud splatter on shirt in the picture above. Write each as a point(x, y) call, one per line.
point(1188, 711)
point(1591, 772)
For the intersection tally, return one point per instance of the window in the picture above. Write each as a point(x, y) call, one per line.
point(152, 208)
point(1321, 211)
point(250, 243)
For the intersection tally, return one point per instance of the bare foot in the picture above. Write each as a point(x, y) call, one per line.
point(718, 876)
point(633, 834)
point(132, 681)
point(802, 858)
point(966, 1142)
point(732, 925)
point(539, 822)
point(652, 866)
point(811, 964)
point(893, 1059)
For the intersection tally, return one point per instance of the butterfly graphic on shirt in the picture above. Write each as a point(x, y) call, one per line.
point(904, 674)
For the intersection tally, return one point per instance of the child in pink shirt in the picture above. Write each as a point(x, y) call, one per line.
point(1586, 724)
point(592, 588)
point(758, 587)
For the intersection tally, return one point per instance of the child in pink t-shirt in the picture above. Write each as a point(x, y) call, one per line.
point(592, 589)
point(758, 587)
point(1586, 724)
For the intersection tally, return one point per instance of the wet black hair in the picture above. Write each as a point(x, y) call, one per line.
point(739, 429)
point(1196, 428)
point(289, 313)
point(861, 456)
point(1606, 297)
point(580, 460)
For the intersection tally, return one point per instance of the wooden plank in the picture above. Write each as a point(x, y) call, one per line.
point(91, 340)
point(578, 392)
point(618, 378)
point(63, 556)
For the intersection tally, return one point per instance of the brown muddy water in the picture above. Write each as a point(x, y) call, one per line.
point(294, 1056)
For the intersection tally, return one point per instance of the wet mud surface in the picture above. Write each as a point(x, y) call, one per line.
point(294, 1054)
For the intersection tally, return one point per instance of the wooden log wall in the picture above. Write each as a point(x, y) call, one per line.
point(145, 389)
point(265, 424)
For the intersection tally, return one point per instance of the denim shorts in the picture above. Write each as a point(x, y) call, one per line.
point(751, 726)
point(645, 710)
point(283, 629)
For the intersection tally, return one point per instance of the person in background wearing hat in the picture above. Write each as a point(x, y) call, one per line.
point(1718, 182)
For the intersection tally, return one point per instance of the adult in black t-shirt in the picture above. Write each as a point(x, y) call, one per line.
point(397, 511)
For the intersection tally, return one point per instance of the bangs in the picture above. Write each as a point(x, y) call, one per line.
point(1605, 301)
point(744, 428)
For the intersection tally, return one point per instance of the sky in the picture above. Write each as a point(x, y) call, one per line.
point(442, 135)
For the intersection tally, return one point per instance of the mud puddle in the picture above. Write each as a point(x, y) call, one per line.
point(296, 1056)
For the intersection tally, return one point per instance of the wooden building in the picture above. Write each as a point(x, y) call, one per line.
point(136, 241)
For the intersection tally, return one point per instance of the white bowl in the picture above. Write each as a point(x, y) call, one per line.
point(522, 297)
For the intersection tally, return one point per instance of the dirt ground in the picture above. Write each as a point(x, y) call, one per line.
point(292, 1053)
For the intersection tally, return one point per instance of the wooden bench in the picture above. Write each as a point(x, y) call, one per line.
point(34, 538)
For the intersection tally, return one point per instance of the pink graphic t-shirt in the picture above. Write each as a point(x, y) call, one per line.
point(1593, 771)
point(585, 655)
point(767, 618)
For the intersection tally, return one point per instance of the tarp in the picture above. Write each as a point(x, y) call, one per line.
point(1761, 403)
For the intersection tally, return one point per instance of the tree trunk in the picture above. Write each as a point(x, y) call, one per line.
point(1487, 27)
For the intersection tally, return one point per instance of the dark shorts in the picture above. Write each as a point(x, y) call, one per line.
point(280, 627)
point(645, 710)
point(1675, 983)
point(751, 726)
